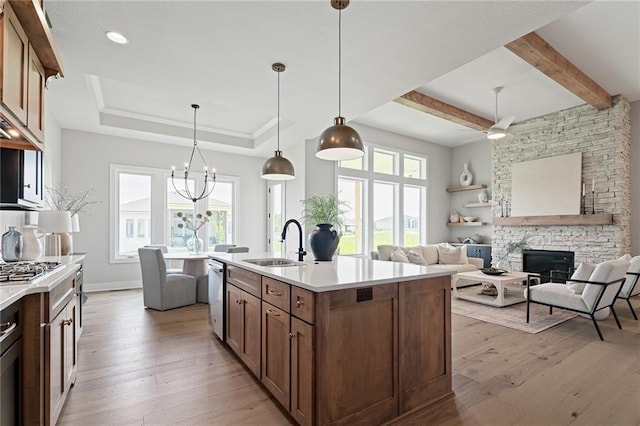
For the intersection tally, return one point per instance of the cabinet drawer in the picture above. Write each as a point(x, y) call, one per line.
point(246, 280)
point(302, 304)
point(276, 292)
point(60, 295)
point(10, 326)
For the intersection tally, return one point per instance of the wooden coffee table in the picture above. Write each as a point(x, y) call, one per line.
point(511, 281)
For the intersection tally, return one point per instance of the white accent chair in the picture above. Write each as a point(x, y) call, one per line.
point(631, 287)
point(164, 249)
point(600, 291)
point(162, 291)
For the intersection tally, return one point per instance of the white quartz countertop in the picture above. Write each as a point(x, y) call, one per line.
point(341, 273)
point(45, 283)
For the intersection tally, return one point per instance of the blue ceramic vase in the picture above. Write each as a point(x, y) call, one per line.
point(323, 241)
point(11, 245)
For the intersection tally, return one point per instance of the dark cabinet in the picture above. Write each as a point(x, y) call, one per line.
point(482, 251)
point(21, 181)
point(11, 366)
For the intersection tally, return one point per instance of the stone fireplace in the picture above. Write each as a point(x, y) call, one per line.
point(604, 139)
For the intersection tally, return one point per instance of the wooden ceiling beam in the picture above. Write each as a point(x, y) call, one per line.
point(424, 103)
point(536, 51)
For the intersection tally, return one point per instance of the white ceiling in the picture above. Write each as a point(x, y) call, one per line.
point(219, 54)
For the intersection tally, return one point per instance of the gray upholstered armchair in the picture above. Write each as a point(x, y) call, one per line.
point(162, 291)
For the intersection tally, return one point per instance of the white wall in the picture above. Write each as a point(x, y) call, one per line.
point(478, 156)
point(635, 178)
point(85, 165)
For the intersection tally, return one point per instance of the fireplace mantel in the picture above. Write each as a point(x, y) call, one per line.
point(578, 219)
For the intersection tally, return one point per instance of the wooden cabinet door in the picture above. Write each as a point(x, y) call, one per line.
point(55, 367)
point(70, 343)
point(251, 332)
point(234, 319)
point(302, 372)
point(35, 96)
point(15, 50)
point(425, 330)
point(31, 175)
point(357, 355)
point(243, 326)
point(275, 352)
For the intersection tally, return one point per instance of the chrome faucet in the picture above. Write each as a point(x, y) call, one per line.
point(301, 251)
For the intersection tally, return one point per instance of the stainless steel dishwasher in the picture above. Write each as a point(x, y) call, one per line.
point(216, 297)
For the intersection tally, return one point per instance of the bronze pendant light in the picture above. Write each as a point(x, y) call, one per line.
point(339, 142)
point(278, 167)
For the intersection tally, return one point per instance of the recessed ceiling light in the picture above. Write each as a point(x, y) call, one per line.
point(117, 37)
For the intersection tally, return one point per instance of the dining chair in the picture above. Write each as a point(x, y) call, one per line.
point(238, 250)
point(223, 247)
point(163, 248)
point(162, 291)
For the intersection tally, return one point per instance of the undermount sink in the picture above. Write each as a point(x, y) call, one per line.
point(277, 261)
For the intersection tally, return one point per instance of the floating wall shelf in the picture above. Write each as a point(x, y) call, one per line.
point(450, 224)
point(489, 204)
point(578, 219)
point(465, 188)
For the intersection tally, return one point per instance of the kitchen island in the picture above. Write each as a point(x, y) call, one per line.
point(351, 341)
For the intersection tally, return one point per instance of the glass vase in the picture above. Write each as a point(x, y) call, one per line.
point(195, 244)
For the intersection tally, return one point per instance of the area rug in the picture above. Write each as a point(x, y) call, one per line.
point(513, 316)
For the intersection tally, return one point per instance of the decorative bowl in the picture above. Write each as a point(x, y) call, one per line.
point(492, 271)
point(470, 218)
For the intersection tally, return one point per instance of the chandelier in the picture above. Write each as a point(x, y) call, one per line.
point(208, 178)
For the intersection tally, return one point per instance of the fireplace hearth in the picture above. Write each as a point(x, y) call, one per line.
point(556, 263)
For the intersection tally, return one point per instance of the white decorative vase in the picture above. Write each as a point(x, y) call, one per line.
point(31, 246)
point(466, 178)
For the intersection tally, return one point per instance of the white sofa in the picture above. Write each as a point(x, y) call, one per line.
point(433, 254)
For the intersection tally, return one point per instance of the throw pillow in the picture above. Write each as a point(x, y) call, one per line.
point(583, 273)
point(463, 253)
point(449, 256)
point(385, 250)
point(415, 256)
point(399, 256)
point(626, 257)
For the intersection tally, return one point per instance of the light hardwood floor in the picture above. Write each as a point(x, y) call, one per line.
point(139, 366)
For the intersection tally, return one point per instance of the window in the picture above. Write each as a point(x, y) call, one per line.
point(220, 203)
point(387, 193)
point(134, 203)
point(145, 206)
point(275, 215)
point(141, 228)
point(384, 161)
point(352, 239)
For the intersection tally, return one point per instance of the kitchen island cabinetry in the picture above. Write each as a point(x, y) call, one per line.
point(243, 316)
point(358, 350)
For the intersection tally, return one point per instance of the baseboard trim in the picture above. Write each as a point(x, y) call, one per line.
point(108, 286)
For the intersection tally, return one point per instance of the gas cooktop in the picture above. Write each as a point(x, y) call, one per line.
point(24, 272)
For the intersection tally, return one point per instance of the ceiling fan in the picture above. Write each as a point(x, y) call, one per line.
point(499, 129)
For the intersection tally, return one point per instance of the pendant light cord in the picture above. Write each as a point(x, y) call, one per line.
point(340, 63)
point(278, 124)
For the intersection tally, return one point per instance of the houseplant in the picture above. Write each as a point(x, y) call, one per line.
point(512, 247)
point(324, 211)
